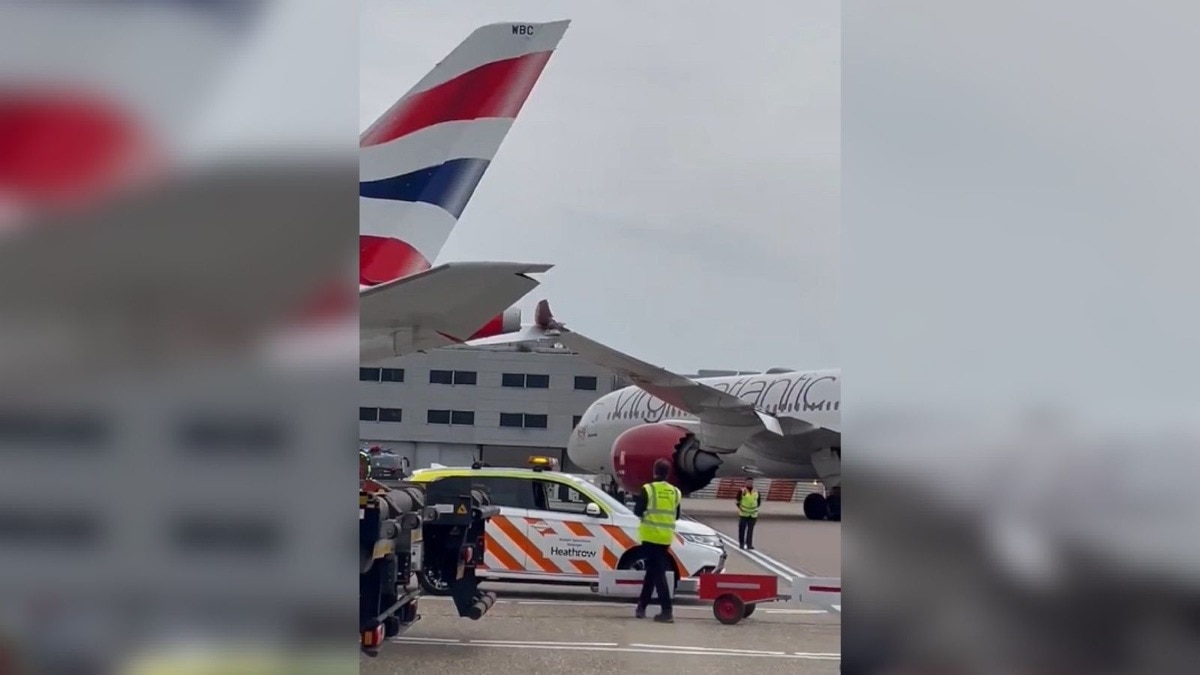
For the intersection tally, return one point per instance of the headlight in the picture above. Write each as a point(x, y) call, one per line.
point(705, 539)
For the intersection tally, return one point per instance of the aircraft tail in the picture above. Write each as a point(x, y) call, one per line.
point(422, 160)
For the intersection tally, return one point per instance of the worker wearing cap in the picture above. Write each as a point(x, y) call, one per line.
point(658, 506)
point(748, 503)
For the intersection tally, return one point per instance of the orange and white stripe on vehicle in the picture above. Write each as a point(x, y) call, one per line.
point(519, 545)
point(608, 548)
point(501, 552)
point(540, 528)
point(497, 557)
point(536, 561)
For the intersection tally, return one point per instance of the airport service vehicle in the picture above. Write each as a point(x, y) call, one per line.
point(410, 530)
point(779, 424)
point(560, 529)
point(386, 465)
point(419, 164)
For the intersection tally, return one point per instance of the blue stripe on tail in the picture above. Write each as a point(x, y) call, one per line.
point(448, 185)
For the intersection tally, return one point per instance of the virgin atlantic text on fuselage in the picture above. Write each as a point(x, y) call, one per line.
point(793, 392)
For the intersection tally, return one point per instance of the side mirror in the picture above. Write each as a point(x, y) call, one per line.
point(593, 510)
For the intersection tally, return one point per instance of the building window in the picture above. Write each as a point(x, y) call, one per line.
point(391, 415)
point(585, 382)
point(368, 374)
point(452, 377)
point(465, 418)
point(391, 374)
point(575, 420)
point(368, 414)
point(523, 420)
point(525, 381)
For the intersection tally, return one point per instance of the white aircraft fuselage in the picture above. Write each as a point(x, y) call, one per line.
point(798, 400)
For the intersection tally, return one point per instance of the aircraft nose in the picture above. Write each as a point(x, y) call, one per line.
point(575, 446)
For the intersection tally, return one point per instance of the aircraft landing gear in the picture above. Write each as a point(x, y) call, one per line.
point(819, 507)
point(815, 507)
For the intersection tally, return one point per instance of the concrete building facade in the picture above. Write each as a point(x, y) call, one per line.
point(501, 405)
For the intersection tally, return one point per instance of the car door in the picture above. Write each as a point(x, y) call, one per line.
point(571, 541)
point(508, 533)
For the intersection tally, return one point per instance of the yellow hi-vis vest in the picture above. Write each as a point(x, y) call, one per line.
point(748, 504)
point(658, 522)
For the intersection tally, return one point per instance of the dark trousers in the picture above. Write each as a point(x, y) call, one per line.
point(658, 562)
point(746, 531)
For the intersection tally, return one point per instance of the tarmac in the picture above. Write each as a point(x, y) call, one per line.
point(536, 629)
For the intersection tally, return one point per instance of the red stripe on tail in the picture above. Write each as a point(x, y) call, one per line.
point(497, 89)
point(382, 259)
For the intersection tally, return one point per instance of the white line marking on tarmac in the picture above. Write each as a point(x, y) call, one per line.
point(706, 649)
point(627, 605)
point(673, 650)
point(546, 642)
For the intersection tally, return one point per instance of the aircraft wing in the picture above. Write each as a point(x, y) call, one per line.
point(444, 305)
point(714, 407)
point(706, 402)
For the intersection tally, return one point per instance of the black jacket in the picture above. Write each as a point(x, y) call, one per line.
point(639, 505)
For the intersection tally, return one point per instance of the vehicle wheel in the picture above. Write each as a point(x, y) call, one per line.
point(815, 507)
point(749, 610)
point(431, 583)
point(833, 506)
point(634, 559)
point(728, 609)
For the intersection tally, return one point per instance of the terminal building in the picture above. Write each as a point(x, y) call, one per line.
point(499, 405)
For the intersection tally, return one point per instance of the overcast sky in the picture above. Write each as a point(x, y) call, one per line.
point(680, 168)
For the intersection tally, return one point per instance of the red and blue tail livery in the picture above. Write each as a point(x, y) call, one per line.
point(419, 164)
point(422, 160)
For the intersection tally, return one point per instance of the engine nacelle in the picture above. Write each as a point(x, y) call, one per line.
point(507, 322)
point(636, 450)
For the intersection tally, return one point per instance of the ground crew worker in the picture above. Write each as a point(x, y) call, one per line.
point(748, 502)
point(658, 506)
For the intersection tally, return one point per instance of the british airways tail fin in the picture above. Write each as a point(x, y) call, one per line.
point(420, 162)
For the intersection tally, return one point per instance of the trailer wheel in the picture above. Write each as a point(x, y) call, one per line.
point(749, 610)
point(728, 609)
